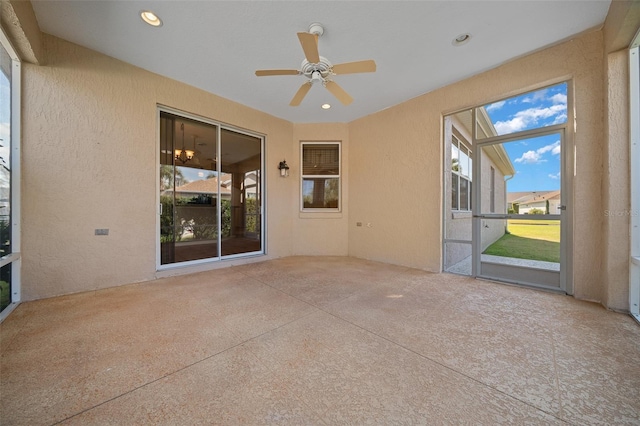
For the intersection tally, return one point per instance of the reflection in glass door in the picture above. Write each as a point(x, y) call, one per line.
point(188, 190)
point(209, 208)
point(241, 161)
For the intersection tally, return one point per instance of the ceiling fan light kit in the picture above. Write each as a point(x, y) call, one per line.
point(318, 69)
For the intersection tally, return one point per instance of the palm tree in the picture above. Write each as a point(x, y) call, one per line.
point(170, 175)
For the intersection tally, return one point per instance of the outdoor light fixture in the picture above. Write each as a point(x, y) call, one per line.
point(183, 155)
point(284, 168)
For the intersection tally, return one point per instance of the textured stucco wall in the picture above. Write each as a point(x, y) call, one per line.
point(89, 161)
point(615, 184)
point(20, 23)
point(621, 26)
point(391, 148)
point(320, 233)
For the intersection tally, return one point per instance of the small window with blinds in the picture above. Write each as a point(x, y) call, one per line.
point(320, 190)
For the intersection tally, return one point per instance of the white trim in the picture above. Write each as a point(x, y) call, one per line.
point(634, 153)
point(462, 142)
point(216, 260)
point(12, 257)
point(15, 161)
point(339, 177)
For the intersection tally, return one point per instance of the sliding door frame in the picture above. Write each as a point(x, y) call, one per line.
point(14, 258)
point(261, 189)
point(634, 151)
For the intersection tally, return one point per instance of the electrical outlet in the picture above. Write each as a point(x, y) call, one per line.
point(102, 231)
point(358, 223)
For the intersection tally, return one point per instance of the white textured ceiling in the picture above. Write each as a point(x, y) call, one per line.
point(218, 45)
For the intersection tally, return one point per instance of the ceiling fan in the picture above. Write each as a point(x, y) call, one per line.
point(318, 69)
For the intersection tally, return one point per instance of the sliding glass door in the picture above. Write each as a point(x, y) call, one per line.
point(242, 201)
point(210, 191)
point(10, 75)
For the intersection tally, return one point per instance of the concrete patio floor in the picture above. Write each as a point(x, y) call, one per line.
point(318, 340)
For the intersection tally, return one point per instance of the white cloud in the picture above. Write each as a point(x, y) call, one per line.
point(529, 117)
point(555, 176)
point(538, 96)
point(552, 147)
point(559, 98)
point(535, 157)
point(495, 106)
point(560, 118)
point(530, 157)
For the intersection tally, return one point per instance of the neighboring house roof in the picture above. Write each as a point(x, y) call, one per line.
point(531, 196)
point(210, 186)
point(206, 186)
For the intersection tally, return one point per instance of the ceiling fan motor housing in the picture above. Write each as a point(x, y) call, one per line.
point(323, 67)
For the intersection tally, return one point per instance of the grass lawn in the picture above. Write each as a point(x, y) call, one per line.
point(528, 239)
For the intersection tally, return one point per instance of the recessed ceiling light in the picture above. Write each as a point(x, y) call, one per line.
point(461, 39)
point(326, 106)
point(151, 18)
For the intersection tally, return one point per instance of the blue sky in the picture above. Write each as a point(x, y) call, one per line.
point(192, 174)
point(536, 160)
point(5, 123)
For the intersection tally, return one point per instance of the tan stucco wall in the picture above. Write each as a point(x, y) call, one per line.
point(89, 161)
point(615, 184)
point(19, 22)
point(320, 233)
point(391, 148)
point(619, 30)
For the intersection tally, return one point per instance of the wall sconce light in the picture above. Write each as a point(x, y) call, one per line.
point(284, 168)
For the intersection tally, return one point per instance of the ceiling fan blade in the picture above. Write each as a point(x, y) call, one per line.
point(309, 44)
point(300, 94)
point(355, 67)
point(339, 92)
point(262, 73)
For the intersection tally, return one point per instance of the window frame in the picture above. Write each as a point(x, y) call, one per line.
point(492, 191)
point(14, 258)
point(303, 177)
point(461, 142)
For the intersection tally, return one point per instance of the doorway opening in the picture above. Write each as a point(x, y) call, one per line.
point(506, 213)
point(210, 191)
